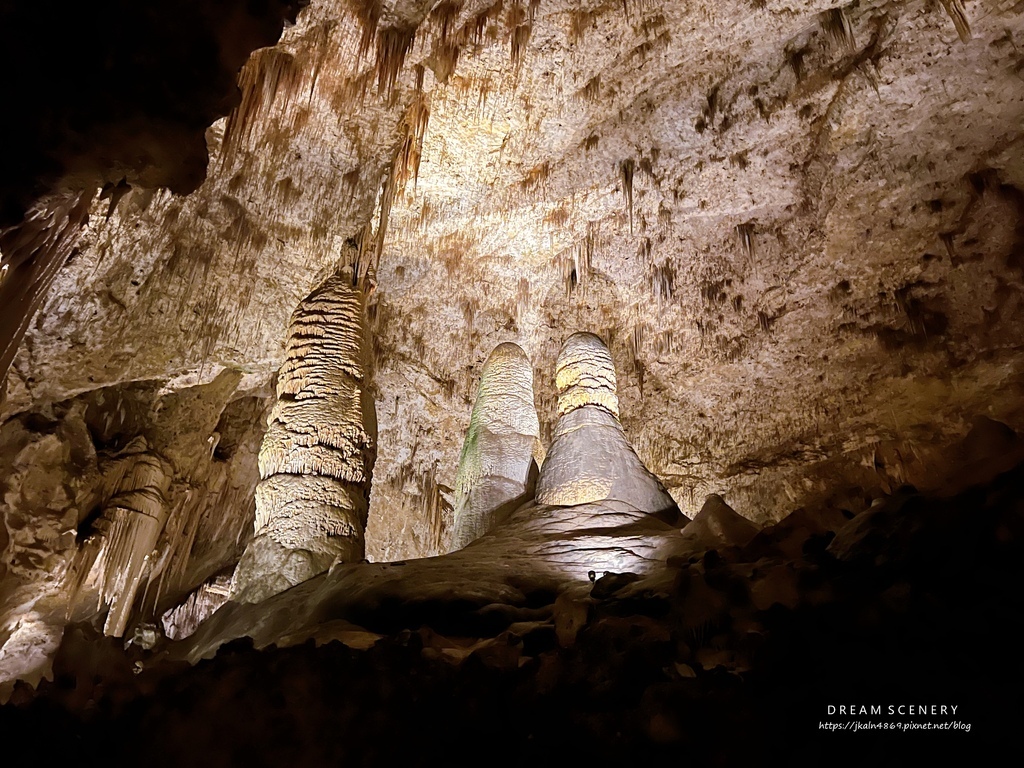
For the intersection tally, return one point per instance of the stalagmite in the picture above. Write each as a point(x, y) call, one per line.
point(718, 525)
point(497, 469)
point(590, 459)
point(317, 457)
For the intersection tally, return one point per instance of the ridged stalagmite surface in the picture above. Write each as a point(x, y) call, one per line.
point(496, 468)
point(182, 620)
point(317, 457)
point(590, 459)
point(585, 375)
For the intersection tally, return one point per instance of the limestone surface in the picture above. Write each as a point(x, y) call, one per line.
point(316, 461)
point(795, 224)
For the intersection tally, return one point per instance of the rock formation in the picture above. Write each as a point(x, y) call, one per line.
point(113, 560)
point(497, 468)
point(316, 461)
point(590, 460)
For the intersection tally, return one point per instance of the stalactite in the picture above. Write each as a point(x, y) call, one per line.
point(575, 261)
point(795, 59)
point(636, 346)
point(34, 251)
point(579, 22)
point(435, 509)
point(557, 217)
point(473, 32)
point(837, 27)
point(362, 257)
point(368, 12)
point(947, 241)
point(469, 308)
point(519, 24)
point(268, 74)
point(662, 282)
point(522, 298)
point(664, 343)
point(745, 236)
point(393, 45)
point(317, 456)
point(444, 15)
point(354, 89)
point(446, 50)
point(956, 11)
point(431, 505)
point(379, 323)
point(591, 92)
point(410, 151)
point(321, 44)
point(626, 170)
point(536, 176)
point(387, 198)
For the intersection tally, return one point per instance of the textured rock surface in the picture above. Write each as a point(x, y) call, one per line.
point(796, 225)
point(539, 552)
point(753, 639)
point(112, 561)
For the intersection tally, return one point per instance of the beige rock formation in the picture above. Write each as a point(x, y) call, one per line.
point(111, 563)
point(590, 459)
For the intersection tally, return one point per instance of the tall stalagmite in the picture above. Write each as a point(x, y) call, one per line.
point(317, 457)
point(497, 470)
point(590, 459)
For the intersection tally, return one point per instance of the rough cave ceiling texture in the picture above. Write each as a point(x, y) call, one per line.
point(797, 225)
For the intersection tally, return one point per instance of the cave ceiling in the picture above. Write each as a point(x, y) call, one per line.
point(797, 225)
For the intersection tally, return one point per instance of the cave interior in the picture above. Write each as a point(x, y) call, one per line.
point(416, 381)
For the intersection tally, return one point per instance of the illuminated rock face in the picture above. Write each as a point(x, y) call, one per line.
point(497, 470)
point(590, 459)
point(317, 456)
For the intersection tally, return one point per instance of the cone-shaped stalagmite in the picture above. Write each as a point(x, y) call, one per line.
point(590, 459)
point(317, 457)
point(496, 469)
